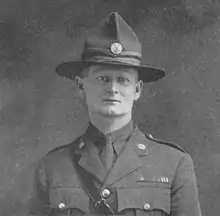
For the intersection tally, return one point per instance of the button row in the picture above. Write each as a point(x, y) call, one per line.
point(105, 194)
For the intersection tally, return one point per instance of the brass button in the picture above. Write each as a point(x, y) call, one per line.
point(150, 135)
point(146, 206)
point(106, 193)
point(141, 178)
point(61, 205)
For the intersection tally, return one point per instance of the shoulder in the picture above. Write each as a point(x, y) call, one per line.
point(165, 143)
point(60, 154)
point(57, 160)
point(65, 148)
point(166, 158)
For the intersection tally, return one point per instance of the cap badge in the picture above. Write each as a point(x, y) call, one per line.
point(116, 48)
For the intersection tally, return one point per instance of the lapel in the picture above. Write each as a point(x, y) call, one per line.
point(129, 160)
point(90, 161)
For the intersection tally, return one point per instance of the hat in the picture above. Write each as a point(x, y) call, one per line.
point(111, 42)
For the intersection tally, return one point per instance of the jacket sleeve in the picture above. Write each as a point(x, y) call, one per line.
point(40, 200)
point(184, 194)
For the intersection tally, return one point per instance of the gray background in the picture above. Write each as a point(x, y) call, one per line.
point(39, 110)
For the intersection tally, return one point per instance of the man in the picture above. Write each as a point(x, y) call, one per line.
point(114, 169)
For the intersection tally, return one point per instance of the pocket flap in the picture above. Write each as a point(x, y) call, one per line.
point(144, 198)
point(69, 197)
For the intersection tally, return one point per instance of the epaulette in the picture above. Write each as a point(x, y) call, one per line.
point(149, 136)
point(73, 145)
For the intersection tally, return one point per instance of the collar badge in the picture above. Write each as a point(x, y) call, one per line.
point(81, 145)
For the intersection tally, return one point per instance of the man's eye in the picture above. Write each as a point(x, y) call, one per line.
point(123, 80)
point(102, 78)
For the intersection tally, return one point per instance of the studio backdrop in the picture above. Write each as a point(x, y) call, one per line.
point(40, 111)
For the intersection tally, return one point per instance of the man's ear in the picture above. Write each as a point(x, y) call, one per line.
point(139, 87)
point(79, 83)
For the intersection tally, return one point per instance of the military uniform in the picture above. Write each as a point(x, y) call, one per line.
point(147, 178)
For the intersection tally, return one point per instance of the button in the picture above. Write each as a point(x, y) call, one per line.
point(146, 206)
point(150, 136)
point(106, 193)
point(141, 146)
point(81, 145)
point(61, 205)
point(141, 178)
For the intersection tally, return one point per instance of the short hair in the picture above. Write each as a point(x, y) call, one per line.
point(84, 72)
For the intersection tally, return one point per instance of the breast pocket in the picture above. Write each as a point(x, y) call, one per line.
point(151, 199)
point(68, 201)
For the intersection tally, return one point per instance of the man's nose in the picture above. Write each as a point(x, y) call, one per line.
point(113, 87)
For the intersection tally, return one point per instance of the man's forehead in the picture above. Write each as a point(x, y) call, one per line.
point(97, 69)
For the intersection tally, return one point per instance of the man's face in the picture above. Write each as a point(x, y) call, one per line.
point(111, 91)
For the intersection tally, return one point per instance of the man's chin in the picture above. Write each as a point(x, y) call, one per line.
point(111, 113)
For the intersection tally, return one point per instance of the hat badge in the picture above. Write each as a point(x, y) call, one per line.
point(116, 48)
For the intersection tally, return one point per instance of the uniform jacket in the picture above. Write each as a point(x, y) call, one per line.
point(149, 178)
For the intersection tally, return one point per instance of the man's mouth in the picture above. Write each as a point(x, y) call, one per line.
point(111, 100)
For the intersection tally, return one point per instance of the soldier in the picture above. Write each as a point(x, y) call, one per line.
point(114, 169)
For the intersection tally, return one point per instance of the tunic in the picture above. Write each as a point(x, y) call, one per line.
point(148, 178)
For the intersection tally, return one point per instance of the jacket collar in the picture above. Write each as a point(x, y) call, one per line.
point(99, 138)
point(127, 162)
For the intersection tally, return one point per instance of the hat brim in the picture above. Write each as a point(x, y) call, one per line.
point(72, 69)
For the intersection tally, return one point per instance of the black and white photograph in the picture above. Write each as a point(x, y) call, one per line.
point(109, 107)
